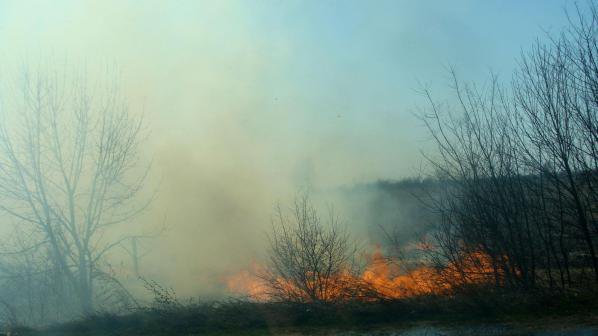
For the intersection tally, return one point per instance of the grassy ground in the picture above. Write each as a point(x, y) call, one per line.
point(482, 313)
point(566, 326)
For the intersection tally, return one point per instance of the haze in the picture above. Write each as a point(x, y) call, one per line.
point(248, 101)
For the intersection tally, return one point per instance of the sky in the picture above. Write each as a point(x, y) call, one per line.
point(315, 81)
point(246, 101)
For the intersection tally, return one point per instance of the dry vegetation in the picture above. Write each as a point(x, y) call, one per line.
point(514, 198)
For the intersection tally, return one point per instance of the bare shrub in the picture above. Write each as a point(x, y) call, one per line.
point(310, 260)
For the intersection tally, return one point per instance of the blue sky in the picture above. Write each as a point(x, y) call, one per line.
point(293, 90)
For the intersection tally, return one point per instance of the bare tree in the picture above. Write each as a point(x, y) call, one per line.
point(519, 165)
point(69, 171)
point(309, 260)
point(556, 92)
point(482, 205)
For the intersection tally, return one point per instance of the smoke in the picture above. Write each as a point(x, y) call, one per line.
point(215, 213)
point(247, 102)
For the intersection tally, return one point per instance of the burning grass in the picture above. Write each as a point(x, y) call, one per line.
point(392, 299)
point(381, 279)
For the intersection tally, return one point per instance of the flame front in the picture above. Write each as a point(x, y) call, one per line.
point(380, 279)
point(247, 283)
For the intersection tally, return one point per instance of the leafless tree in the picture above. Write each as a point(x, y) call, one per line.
point(309, 260)
point(70, 171)
point(519, 166)
point(481, 204)
point(556, 92)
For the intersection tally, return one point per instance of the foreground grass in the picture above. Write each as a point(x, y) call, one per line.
point(238, 317)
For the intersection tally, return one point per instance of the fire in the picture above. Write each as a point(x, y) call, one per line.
point(389, 282)
point(247, 283)
point(380, 279)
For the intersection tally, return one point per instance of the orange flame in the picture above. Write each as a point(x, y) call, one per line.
point(246, 283)
point(380, 279)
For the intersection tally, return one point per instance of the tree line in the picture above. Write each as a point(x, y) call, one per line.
point(519, 162)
